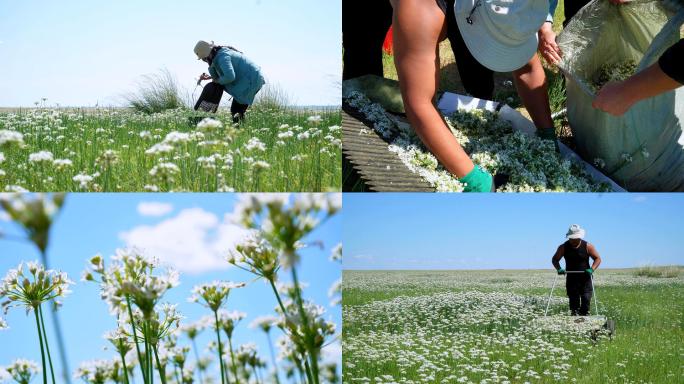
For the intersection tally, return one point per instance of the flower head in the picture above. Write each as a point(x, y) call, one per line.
point(265, 323)
point(213, 294)
point(256, 255)
point(22, 370)
point(33, 288)
point(130, 277)
point(34, 213)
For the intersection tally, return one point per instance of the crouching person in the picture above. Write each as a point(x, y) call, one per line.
point(231, 71)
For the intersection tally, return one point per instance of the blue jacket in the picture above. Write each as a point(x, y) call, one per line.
point(238, 75)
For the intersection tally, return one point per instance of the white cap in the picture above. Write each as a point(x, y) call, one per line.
point(203, 49)
point(501, 34)
point(575, 232)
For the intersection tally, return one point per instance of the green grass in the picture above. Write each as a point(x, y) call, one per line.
point(667, 271)
point(441, 326)
point(275, 149)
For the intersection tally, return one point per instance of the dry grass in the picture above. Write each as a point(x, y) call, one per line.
point(665, 271)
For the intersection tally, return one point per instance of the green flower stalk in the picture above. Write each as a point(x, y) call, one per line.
point(266, 323)
point(281, 229)
point(213, 295)
point(191, 331)
point(132, 291)
point(120, 340)
point(36, 215)
point(22, 371)
point(30, 291)
point(227, 322)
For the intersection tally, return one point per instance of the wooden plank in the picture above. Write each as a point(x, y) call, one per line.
point(369, 155)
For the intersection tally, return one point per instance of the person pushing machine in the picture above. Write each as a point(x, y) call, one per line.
point(577, 253)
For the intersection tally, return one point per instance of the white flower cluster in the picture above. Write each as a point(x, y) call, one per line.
point(30, 285)
point(531, 163)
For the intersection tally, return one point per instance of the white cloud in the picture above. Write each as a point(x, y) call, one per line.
point(639, 198)
point(151, 208)
point(4, 216)
point(333, 352)
point(193, 241)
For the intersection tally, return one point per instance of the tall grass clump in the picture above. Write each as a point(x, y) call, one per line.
point(664, 271)
point(272, 96)
point(156, 92)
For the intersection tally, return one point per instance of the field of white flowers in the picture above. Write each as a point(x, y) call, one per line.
point(118, 150)
point(153, 342)
point(531, 164)
point(489, 327)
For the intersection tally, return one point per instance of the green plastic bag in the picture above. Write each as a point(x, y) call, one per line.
point(642, 150)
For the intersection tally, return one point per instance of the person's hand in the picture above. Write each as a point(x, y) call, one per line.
point(561, 271)
point(613, 99)
point(589, 271)
point(204, 76)
point(547, 44)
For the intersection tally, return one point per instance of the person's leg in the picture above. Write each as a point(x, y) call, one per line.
point(585, 299)
point(530, 81)
point(237, 110)
point(573, 296)
point(477, 79)
point(418, 26)
point(364, 26)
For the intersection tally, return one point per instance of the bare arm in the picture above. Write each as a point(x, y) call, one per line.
point(593, 253)
point(555, 260)
point(418, 27)
point(617, 98)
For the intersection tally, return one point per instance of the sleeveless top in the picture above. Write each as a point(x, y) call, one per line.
point(576, 259)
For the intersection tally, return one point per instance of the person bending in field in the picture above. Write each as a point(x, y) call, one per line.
point(577, 253)
point(231, 71)
point(486, 36)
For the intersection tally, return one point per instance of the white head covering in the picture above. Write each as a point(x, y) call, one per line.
point(575, 232)
point(501, 34)
point(203, 49)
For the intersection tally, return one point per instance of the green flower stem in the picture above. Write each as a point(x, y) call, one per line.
point(273, 359)
point(232, 359)
point(308, 336)
point(175, 371)
point(58, 330)
point(125, 369)
point(160, 368)
point(220, 348)
point(47, 347)
point(197, 358)
point(135, 339)
point(42, 351)
point(148, 357)
point(282, 308)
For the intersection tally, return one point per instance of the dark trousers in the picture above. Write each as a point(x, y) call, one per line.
point(477, 79)
point(237, 110)
point(364, 27)
point(578, 288)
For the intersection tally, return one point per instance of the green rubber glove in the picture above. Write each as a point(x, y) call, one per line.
point(549, 134)
point(561, 271)
point(478, 181)
point(589, 271)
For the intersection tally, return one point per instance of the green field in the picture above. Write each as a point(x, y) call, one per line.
point(489, 327)
point(275, 149)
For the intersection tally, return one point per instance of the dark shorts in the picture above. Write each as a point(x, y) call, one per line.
point(442, 4)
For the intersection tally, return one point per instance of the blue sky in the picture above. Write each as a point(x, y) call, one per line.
point(80, 53)
point(186, 226)
point(503, 231)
